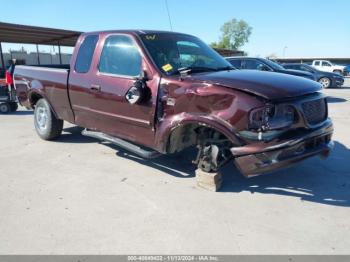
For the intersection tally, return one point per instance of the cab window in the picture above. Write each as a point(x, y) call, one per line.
point(236, 63)
point(85, 54)
point(254, 64)
point(120, 56)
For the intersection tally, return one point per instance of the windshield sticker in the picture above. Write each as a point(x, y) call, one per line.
point(167, 67)
point(150, 37)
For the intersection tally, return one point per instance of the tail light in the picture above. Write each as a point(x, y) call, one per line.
point(8, 78)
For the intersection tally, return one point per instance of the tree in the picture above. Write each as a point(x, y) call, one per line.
point(235, 33)
point(272, 56)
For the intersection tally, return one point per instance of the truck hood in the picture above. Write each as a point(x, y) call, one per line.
point(338, 67)
point(269, 85)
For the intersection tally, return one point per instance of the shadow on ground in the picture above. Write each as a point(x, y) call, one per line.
point(178, 165)
point(21, 113)
point(343, 87)
point(73, 135)
point(332, 99)
point(315, 180)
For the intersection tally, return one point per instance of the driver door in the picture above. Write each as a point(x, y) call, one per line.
point(118, 62)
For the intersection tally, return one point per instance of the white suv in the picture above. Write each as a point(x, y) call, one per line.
point(327, 66)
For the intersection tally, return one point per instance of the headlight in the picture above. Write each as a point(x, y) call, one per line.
point(271, 117)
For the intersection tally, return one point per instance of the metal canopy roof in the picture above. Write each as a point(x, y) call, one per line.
point(13, 33)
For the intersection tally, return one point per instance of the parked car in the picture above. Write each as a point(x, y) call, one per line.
point(347, 70)
point(327, 66)
point(263, 64)
point(154, 92)
point(326, 79)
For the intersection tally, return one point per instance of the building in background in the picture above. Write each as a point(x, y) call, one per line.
point(32, 58)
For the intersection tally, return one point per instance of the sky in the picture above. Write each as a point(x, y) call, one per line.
point(294, 28)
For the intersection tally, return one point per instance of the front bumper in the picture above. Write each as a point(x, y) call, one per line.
point(258, 158)
point(338, 82)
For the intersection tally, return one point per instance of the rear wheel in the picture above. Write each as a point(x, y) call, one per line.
point(325, 82)
point(46, 124)
point(5, 108)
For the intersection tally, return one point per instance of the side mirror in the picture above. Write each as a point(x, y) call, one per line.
point(139, 91)
point(142, 77)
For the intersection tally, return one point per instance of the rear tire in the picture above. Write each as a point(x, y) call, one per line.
point(47, 126)
point(5, 108)
point(325, 82)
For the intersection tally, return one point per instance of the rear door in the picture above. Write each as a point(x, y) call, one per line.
point(80, 81)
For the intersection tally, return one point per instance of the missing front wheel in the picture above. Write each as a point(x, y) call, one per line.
point(210, 158)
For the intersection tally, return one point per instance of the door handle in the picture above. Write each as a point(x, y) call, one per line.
point(95, 88)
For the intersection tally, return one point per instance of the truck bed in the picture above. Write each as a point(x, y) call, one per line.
point(57, 66)
point(52, 79)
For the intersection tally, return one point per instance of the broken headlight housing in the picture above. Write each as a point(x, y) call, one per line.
point(272, 117)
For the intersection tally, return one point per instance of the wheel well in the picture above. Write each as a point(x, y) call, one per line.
point(324, 77)
point(34, 98)
point(194, 134)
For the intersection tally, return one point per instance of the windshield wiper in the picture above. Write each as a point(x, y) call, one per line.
point(194, 69)
point(225, 68)
point(197, 69)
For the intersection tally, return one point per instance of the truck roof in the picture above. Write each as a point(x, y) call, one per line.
point(135, 32)
point(246, 57)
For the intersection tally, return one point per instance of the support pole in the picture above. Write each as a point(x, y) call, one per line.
point(37, 52)
point(2, 57)
point(59, 53)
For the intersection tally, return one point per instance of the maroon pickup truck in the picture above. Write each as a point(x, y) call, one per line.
point(154, 92)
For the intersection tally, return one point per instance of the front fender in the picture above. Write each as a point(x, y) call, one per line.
point(168, 125)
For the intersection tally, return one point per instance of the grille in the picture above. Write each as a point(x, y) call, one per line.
point(315, 111)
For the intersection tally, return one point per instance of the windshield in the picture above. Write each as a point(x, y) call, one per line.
point(175, 52)
point(274, 65)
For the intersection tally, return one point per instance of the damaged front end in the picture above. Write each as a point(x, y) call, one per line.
point(281, 134)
